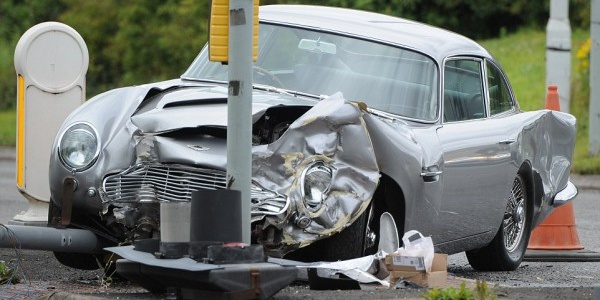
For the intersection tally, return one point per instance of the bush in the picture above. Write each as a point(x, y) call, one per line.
point(150, 40)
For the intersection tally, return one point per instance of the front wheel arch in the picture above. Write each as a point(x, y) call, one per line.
point(352, 241)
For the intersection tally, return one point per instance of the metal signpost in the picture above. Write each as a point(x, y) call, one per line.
point(233, 40)
point(594, 133)
point(51, 60)
point(558, 51)
point(239, 104)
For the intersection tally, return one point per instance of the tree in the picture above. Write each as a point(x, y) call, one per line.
point(141, 41)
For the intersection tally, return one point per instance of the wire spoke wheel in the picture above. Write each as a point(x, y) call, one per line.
point(514, 216)
point(506, 250)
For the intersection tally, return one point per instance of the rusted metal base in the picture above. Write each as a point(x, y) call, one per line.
point(185, 278)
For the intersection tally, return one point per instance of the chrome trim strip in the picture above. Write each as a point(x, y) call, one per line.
point(566, 195)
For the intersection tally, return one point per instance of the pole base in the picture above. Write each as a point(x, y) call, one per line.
point(36, 213)
point(185, 278)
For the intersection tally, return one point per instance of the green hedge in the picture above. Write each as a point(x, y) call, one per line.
point(138, 41)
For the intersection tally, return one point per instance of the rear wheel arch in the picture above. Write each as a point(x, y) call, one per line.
point(527, 174)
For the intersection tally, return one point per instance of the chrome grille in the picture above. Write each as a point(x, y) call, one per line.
point(142, 183)
point(158, 182)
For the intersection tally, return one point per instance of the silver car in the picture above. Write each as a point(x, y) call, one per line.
point(354, 114)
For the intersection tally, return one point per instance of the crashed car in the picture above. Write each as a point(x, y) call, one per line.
point(354, 114)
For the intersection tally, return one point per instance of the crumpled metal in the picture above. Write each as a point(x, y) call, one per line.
point(332, 132)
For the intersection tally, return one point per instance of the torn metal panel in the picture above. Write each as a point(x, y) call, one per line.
point(333, 132)
point(547, 141)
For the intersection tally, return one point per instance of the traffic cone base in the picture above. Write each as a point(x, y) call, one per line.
point(557, 232)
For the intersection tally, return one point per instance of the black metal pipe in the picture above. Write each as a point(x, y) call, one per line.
point(216, 216)
point(49, 239)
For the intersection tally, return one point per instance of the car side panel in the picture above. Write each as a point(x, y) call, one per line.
point(477, 174)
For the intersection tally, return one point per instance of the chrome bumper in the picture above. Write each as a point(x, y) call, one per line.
point(566, 195)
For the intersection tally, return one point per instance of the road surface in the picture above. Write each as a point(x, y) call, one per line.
point(532, 280)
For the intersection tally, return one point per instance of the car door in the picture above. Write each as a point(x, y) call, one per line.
point(476, 154)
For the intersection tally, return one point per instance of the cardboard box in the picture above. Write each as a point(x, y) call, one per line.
point(412, 269)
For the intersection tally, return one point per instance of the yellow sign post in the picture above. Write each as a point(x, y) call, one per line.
point(218, 41)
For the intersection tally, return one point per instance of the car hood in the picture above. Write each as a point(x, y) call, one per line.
point(196, 106)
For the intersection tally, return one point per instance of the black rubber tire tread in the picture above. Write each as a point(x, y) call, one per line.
point(344, 245)
point(494, 256)
point(349, 243)
point(81, 261)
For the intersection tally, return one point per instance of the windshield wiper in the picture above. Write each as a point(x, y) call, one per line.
point(270, 88)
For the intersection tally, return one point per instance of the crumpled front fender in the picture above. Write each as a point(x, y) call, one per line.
point(332, 132)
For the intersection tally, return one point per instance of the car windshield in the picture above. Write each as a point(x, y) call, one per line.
point(388, 78)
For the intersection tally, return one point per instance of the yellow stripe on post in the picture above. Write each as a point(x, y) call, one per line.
point(20, 132)
point(255, 32)
point(218, 40)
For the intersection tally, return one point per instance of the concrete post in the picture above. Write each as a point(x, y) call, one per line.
point(594, 128)
point(558, 51)
point(239, 120)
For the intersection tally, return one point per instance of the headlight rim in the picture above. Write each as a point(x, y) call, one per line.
point(316, 164)
point(92, 161)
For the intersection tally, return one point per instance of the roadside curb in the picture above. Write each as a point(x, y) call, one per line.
point(586, 182)
point(67, 296)
point(7, 153)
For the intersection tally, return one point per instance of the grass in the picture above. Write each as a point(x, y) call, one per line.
point(8, 126)
point(522, 56)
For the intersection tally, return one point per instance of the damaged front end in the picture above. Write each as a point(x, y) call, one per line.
point(313, 171)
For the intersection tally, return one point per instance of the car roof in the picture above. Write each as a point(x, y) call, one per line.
point(435, 42)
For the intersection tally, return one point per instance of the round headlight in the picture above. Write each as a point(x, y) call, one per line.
point(78, 148)
point(316, 181)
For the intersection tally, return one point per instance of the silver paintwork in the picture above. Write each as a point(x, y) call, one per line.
point(453, 179)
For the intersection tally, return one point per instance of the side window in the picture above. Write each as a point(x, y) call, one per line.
point(463, 90)
point(500, 98)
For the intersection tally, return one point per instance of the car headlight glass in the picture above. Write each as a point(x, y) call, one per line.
point(78, 148)
point(316, 181)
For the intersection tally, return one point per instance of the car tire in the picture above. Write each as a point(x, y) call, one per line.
point(508, 247)
point(81, 261)
point(347, 244)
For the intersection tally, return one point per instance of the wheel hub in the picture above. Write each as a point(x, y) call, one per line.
point(518, 216)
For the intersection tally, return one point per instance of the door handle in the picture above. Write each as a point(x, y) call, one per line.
point(431, 173)
point(507, 141)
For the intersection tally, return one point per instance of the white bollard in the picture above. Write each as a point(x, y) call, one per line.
point(51, 60)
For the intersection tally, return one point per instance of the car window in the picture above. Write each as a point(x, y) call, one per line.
point(500, 97)
point(463, 90)
point(388, 78)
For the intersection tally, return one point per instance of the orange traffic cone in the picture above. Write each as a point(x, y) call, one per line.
point(552, 100)
point(558, 231)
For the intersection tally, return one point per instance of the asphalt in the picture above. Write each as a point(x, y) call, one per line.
point(582, 182)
